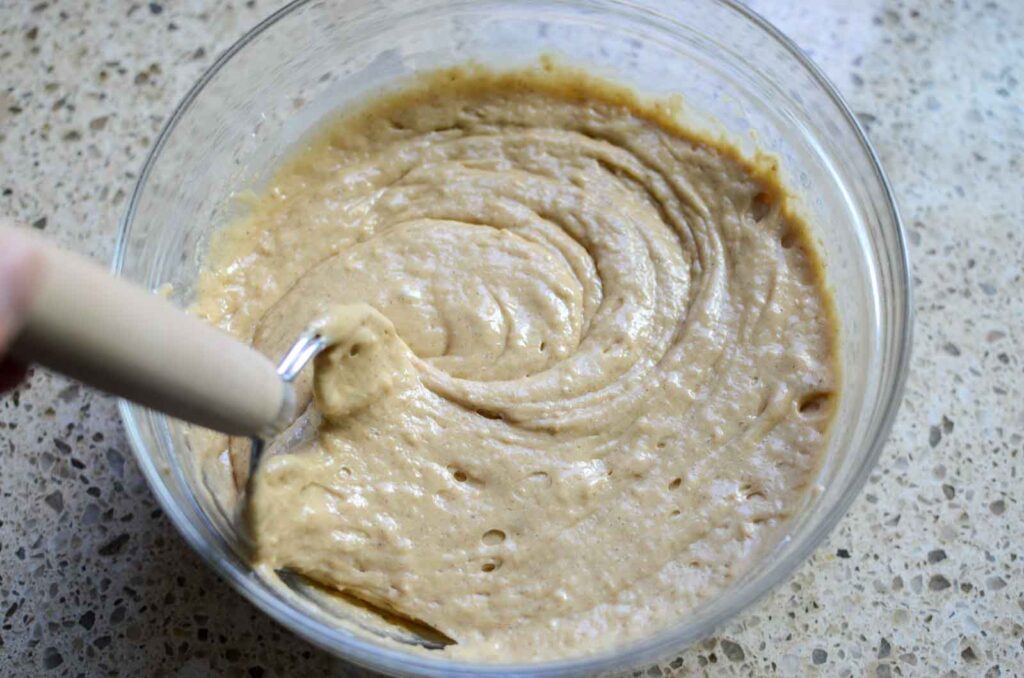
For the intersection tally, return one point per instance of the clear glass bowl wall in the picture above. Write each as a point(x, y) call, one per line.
point(736, 75)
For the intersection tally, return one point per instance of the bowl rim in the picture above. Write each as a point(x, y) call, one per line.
point(680, 634)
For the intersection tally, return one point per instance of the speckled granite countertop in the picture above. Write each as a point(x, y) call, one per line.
point(923, 577)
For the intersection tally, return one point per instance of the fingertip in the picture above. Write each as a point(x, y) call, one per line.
point(20, 268)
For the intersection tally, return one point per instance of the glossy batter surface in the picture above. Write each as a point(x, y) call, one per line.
point(584, 361)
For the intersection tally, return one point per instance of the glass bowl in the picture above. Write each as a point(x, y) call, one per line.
point(736, 75)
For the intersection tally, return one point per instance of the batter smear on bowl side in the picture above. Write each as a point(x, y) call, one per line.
point(584, 361)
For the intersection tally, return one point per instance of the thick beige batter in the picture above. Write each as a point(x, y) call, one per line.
point(584, 360)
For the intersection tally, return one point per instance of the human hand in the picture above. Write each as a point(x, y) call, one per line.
point(19, 274)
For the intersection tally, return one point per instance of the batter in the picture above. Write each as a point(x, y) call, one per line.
point(583, 362)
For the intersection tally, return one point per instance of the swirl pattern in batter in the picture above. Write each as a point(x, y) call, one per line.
point(584, 360)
